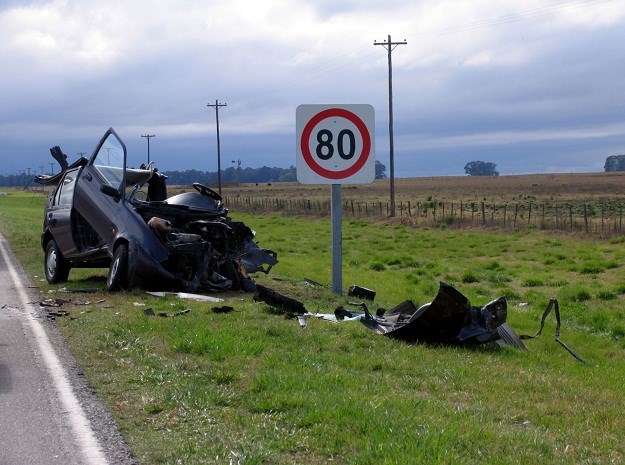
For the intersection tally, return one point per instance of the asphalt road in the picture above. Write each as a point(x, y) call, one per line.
point(48, 412)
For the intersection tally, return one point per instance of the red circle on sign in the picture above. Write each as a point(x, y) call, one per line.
point(366, 143)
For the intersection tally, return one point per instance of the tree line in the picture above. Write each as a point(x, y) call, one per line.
point(230, 175)
point(482, 168)
point(614, 163)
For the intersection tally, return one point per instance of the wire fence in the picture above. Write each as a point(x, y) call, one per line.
point(599, 218)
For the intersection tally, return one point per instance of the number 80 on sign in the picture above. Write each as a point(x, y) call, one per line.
point(335, 144)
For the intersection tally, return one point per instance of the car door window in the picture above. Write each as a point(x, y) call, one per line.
point(66, 189)
point(109, 161)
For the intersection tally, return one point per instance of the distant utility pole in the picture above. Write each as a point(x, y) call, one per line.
point(217, 106)
point(390, 46)
point(148, 137)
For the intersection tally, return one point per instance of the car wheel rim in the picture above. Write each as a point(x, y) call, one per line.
point(114, 268)
point(51, 263)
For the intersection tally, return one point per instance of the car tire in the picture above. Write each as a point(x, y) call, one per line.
point(118, 271)
point(55, 265)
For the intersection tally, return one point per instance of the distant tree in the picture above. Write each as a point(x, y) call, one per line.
point(481, 168)
point(287, 177)
point(614, 163)
point(380, 170)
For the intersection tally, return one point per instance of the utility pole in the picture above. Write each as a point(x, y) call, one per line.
point(148, 137)
point(217, 106)
point(390, 46)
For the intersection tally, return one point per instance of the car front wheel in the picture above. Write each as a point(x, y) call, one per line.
point(56, 267)
point(118, 271)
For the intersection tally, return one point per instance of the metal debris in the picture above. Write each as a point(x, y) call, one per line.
point(186, 295)
point(362, 292)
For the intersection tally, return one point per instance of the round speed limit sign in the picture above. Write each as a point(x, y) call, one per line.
point(335, 144)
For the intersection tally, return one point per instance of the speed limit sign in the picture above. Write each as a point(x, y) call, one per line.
point(335, 144)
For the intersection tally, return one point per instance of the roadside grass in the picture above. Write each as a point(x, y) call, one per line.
point(252, 387)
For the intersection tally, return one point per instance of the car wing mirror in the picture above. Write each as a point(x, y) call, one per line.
point(111, 192)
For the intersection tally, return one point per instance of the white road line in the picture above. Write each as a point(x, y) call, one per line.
point(81, 428)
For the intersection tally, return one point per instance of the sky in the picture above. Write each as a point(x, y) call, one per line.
point(536, 86)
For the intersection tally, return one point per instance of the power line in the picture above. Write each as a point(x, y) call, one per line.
point(509, 18)
point(357, 55)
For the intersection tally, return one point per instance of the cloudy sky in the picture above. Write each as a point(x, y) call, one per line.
point(533, 86)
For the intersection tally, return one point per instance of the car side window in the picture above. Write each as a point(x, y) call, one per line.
point(66, 189)
point(109, 161)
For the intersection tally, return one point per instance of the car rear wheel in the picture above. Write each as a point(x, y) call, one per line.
point(118, 271)
point(55, 265)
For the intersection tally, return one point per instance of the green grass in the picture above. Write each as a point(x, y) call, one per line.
point(252, 387)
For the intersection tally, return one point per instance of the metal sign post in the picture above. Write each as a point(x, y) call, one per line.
point(335, 145)
point(336, 210)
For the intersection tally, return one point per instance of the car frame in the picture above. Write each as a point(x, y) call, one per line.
point(94, 218)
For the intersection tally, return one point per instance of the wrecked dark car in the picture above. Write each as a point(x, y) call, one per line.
point(103, 214)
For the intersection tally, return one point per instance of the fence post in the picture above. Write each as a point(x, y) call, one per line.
point(586, 218)
point(529, 214)
point(571, 216)
point(483, 214)
point(516, 212)
point(557, 222)
point(505, 210)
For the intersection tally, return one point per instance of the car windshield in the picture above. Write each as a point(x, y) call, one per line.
point(109, 161)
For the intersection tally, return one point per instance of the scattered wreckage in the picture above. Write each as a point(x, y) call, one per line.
point(98, 216)
point(449, 319)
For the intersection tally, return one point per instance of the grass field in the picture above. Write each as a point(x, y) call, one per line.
point(252, 387)
point(539, 187)
point(577, 203)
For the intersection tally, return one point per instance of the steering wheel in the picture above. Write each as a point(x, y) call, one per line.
point(204, 190)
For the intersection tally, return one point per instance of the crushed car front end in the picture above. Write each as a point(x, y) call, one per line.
point(186, 241)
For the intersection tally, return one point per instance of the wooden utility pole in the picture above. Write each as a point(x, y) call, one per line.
point(390, 46)
point(148, 137)
point(217, 106)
